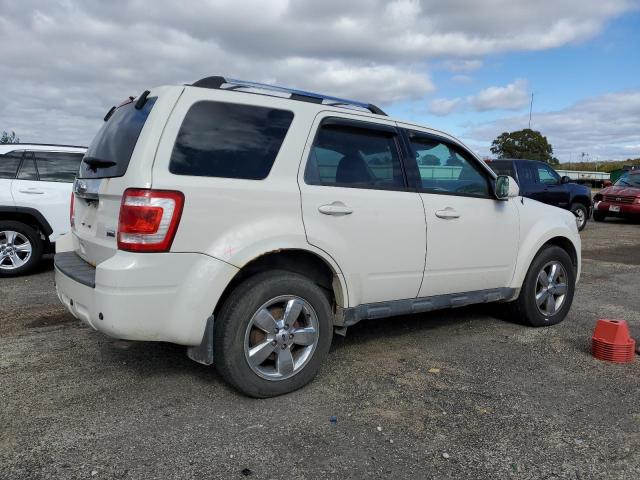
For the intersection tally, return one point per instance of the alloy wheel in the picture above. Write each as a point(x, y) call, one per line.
point(15, 250)
point(281, 337)
point(551, 288)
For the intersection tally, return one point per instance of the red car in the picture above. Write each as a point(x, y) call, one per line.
point(622, 199)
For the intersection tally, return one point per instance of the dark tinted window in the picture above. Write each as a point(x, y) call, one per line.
point(116, 140)
point(229, 140)
point(445, 168)
point(28, 168)
point(57, 166)
point(528, 174)
point(9, 163)
point(502, 168)
point(355, 157)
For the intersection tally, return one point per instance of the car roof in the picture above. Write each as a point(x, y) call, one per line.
point(321, 101)
point(41, 147)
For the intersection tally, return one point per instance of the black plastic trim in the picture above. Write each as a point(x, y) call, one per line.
point(369, 311)
point(74, 267)
point(142, 99)
point(46, 228)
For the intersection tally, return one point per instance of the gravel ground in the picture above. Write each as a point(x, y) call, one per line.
point(455, 394)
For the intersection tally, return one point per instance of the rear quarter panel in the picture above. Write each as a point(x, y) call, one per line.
point(238, 220)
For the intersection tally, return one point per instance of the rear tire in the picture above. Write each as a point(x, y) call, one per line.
point(272, 334)
point(20, 248)
point(533, 305)
point(582, 215)
point(598, 217)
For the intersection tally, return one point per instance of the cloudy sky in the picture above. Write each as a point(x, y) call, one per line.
point(465, 66)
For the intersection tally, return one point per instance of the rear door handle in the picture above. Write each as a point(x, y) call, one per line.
point(32, 191)
point(335, 208)
point(448, 213)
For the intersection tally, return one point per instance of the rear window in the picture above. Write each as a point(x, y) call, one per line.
point(57, 166)
point(9, 163)
point(114, 143)
point(502, 168)
point(229, 140)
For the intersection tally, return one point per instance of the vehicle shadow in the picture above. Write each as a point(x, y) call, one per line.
point(159, 359)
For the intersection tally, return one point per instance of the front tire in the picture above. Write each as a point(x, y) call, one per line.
point(272, 334)
point(547, 291)
point(20, 248)
point(598, 216)
point(582, 215)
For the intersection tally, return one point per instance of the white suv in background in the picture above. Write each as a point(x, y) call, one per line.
point(35, 189)
point(250, 222)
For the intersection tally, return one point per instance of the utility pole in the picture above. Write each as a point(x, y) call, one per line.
point(530, 110)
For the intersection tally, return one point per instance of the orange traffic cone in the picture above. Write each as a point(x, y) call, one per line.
point(611, 342)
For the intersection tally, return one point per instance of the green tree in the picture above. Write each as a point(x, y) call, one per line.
point(9, 138)
point(527, 144)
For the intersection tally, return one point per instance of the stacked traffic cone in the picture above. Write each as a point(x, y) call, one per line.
point(611, 341)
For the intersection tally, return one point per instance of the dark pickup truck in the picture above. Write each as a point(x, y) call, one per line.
point(539, 181)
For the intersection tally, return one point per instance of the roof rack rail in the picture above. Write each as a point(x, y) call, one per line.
point(218, 82)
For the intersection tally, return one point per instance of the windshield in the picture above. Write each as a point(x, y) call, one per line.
point(629, 179)
point(111, 149)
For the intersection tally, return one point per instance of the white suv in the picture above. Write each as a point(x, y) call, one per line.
point(35, 189)
point(249, 222)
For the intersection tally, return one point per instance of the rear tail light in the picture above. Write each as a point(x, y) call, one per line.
point(72, 215)
point(149, 219)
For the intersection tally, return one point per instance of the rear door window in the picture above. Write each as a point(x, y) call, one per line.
point(57, 166)
point(9, 163)
point(502, 168)
point(115, 141)
point(28, 170)
point(528, 174)
point(355, 156)
point(228, 140)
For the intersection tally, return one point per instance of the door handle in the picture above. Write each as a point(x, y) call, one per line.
point(32, 191)
point(335, 208)
point(448, 213)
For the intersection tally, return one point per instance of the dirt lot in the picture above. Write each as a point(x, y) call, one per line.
point(455, 394)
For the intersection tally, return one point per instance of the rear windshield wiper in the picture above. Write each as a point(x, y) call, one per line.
point(95, 163)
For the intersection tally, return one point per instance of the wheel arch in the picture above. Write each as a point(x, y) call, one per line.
point(28, 216)
point(531, 248)
point(302, 261)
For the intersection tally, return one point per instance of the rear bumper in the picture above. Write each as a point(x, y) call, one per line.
point(144, 296)
point(626, 210)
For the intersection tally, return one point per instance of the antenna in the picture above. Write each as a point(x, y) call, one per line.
point(530, 110)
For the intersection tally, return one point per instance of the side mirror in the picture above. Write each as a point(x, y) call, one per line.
point(565, 179)
point(506, 187)
point(607, 183)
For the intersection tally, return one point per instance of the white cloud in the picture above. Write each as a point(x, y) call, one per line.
point(67, 61)
point(510, 97)
point(605, 127)
point(513, 96)
point(444, 106)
